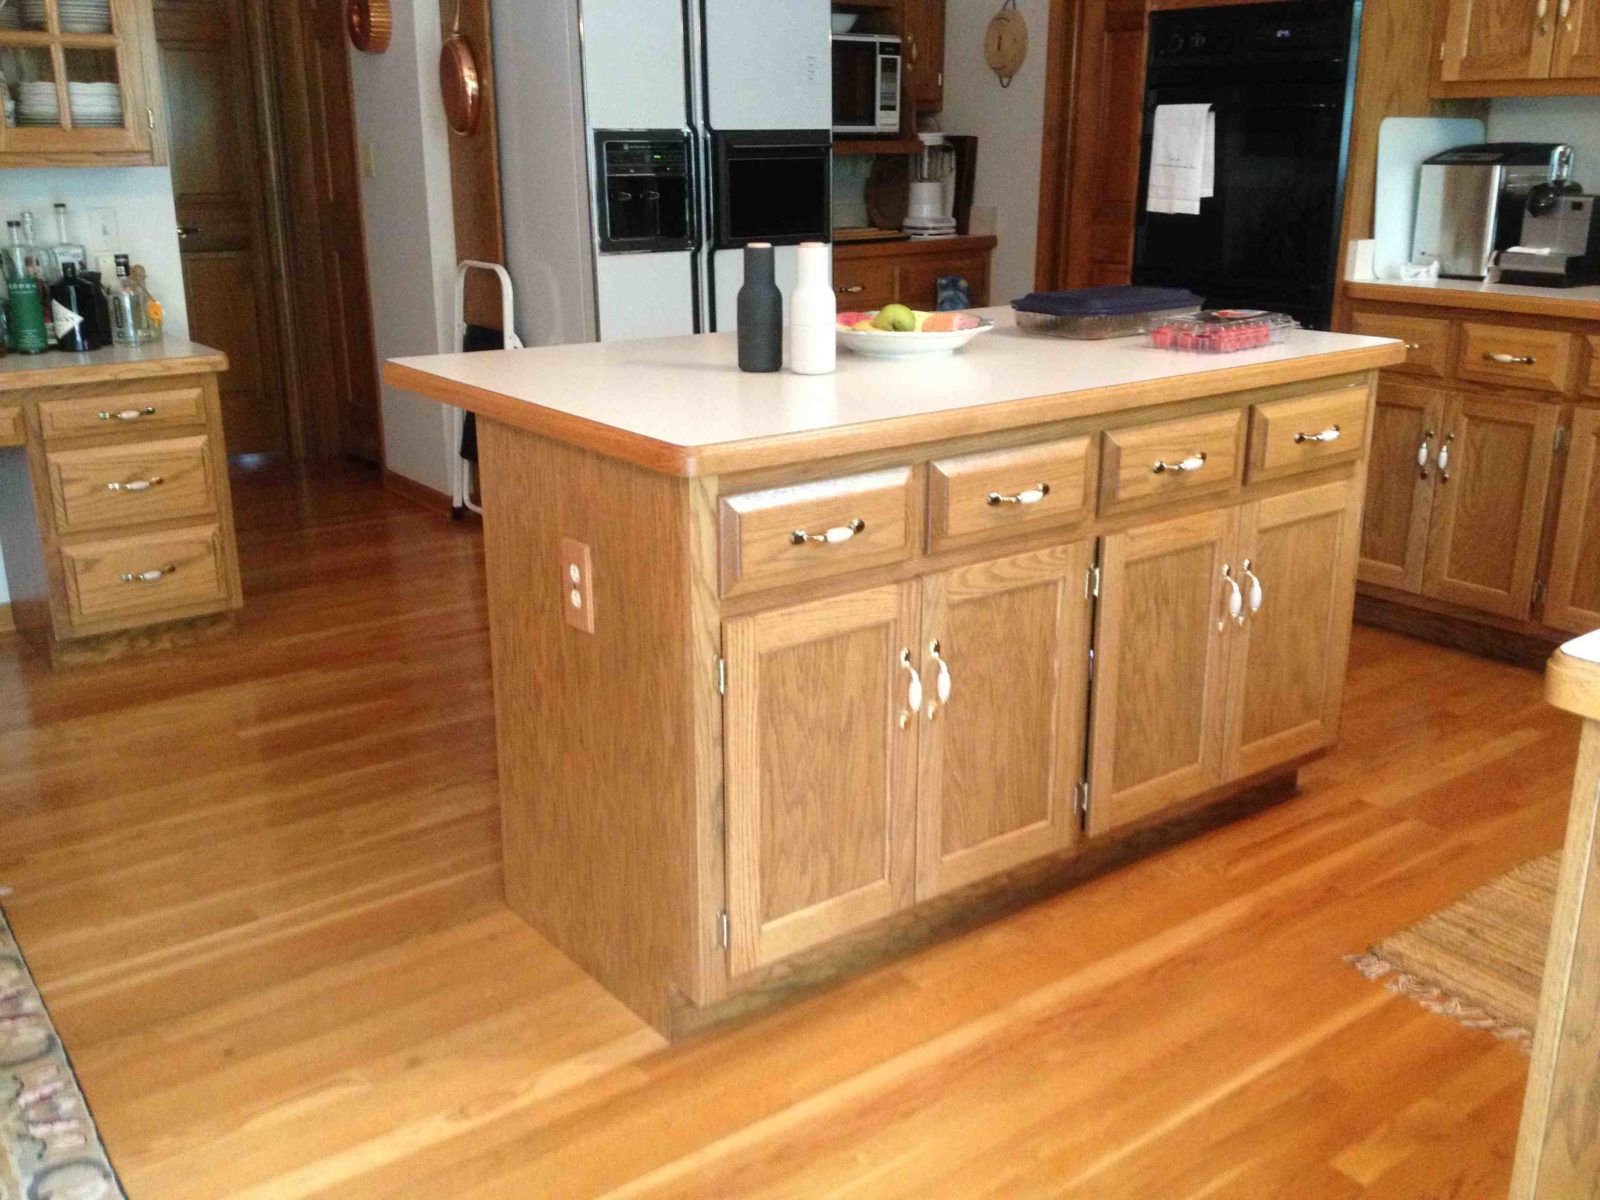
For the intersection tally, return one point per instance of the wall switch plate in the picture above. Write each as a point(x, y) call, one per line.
point(577, 585)
point(103, 228)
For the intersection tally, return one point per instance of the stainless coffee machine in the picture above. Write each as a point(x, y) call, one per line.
point(1471, 201)
point(1560, 243)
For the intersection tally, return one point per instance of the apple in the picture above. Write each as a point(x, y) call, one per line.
point(896, 318)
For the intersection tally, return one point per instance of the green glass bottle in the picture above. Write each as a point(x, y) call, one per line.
point(25, 324)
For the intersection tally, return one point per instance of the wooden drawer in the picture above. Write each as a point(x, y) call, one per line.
point(12, 430)
point(1427, 339)
point(918, 285)
point(129, 483)
point(815, 530)
point(1303, 433)
point(862, 285)
point(144, 578)
point(1146, 465)
point(1022, 489)
point(1530, 358)
point(131, 412)
point(1591, 376)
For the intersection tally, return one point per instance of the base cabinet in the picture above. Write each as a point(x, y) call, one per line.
point(1573, 602)
point(1399, 504)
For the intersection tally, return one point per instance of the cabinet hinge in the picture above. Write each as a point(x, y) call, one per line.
point(1080, 803)
point(150, 116)
point(1091, 582)
point(1538, 590)
point(722, 677)
point(1091, 666)
point(724, 929)
point(1441, 51)
point(1561, 438)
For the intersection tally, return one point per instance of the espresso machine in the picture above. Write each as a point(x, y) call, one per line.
point(1560, 243)
point(1471, 201)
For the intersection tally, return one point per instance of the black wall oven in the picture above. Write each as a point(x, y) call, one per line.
point(771, 186)
point(1280, 79)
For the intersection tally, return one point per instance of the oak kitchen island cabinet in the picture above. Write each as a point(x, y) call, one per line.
point(792, 672)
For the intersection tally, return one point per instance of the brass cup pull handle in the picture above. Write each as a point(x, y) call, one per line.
point(1192, 463)
point(153, 576)
point(1235, 599)
point(129, 414)
point(1330, 434)
point(135, 485)
point(913, 689)
point(1256, 596)
point(1518, 360)
point(850, 289)
point(830, 537)
point(1028, 496)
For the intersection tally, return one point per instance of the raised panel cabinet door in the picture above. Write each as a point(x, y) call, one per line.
point(1406, 424)
point(1493, 469)
point(1498, 39)
point(821, 733)
point(1573, 603)
point(1160, 675)
point(1577, 54)
point(1297, 567)
point(1005, 657)
point(922, 28)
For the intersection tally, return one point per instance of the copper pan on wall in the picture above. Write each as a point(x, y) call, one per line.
point(459, 82)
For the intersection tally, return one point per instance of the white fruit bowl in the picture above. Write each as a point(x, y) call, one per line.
point(879, 343)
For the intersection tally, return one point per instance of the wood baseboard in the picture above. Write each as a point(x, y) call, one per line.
point(956, 912)
point(146, 639)
point(418, 493)
point(8, 623)
point(1524, 648)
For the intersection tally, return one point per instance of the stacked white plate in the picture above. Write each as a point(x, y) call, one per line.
point(10, 15)
point(77, 16)
point(37, 104)
point(95, 104)
point(930, 227)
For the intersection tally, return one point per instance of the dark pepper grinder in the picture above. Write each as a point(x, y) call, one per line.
point(760, 312)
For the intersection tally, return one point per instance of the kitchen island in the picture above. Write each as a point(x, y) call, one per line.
point(794, 673)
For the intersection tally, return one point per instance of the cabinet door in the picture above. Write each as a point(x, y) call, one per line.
point(1000, 757)
point(1160, 666)
point(1394, 530)
point(1574, 600)
point(1577, 40)
point(922, 28)
point(1297, 564)
point(1498, 39)
point(820, 770)
point(1493, 474)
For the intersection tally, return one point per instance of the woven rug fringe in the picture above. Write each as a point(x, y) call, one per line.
point(1436, 1000)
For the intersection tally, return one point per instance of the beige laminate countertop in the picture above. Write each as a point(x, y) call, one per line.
point(682, 406)
point(170, 356)
point(1579, 304)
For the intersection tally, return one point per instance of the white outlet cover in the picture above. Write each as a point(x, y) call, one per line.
point(103, 228)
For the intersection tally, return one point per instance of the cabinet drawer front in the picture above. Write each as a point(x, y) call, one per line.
point(1019, 490)
point(1530, 358)
point(814, 530)
point(128, 483)
point(1427, 339)
point(124, 412)
point(1303, 433)
point(146, 576)
point(860, 285)
point(12, 430)
point(1154, 464)
point(1591, 377)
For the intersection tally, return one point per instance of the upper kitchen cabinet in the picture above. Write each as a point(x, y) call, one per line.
point(1510, 47)
point(75, 81)
point(922, 42)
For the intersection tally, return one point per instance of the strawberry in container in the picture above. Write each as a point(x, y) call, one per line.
point(1222, 331)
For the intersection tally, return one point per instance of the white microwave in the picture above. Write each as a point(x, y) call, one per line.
point(866, 83)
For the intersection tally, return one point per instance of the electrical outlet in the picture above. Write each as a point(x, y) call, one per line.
point(103, 229)
point(577, 585)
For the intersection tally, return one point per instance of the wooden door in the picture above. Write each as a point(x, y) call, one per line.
point(1161, 650)
point(999, 760)
point(1573, 603)
point(1297, 557)
point(821, 740)
point(1498, 39)
point(1493, 469)
point(218, 187)
point(922, 28)
point(1394, 529)
point(1577, 54)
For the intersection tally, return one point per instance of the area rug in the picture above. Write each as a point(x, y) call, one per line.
point(49, 1147)
point(1480, 960)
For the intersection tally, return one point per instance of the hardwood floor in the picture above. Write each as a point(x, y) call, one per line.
point(258, 881)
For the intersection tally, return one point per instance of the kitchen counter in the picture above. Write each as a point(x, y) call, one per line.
point(170, 356)
point(792, 675)
point(1579, 304)
point(682, 406)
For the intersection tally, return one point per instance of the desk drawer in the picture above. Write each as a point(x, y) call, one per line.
point(1022, 489)
point(1304, 433)
point(814, 530)
point(144, 578)
point(1529, 358)
point(1427, 340)
point(1148, 465)
point(12, 430)
point(124, 412)
point(1591, 377)
point(863, 285)
point(131, 482)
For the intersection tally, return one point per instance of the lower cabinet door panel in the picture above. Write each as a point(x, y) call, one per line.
point(1574, 599)
point(1161, 650)
point(1001, 755)
point(820, 744)
point(1406, 424)
point(1296, 564)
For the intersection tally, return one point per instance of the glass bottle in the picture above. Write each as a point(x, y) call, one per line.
point(45, 265)
point(66, 250)
point(26, 331)
point(155, 315)
point(130, 318)
point(72, 303)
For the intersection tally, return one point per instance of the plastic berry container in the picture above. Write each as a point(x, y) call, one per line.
point(1223, 331)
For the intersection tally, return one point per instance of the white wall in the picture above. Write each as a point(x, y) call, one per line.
point(147, 228)
point(1574, 119)
point(410, 228)
point(1009, 124)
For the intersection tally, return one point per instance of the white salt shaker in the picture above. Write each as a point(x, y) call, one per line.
point(812, 343)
